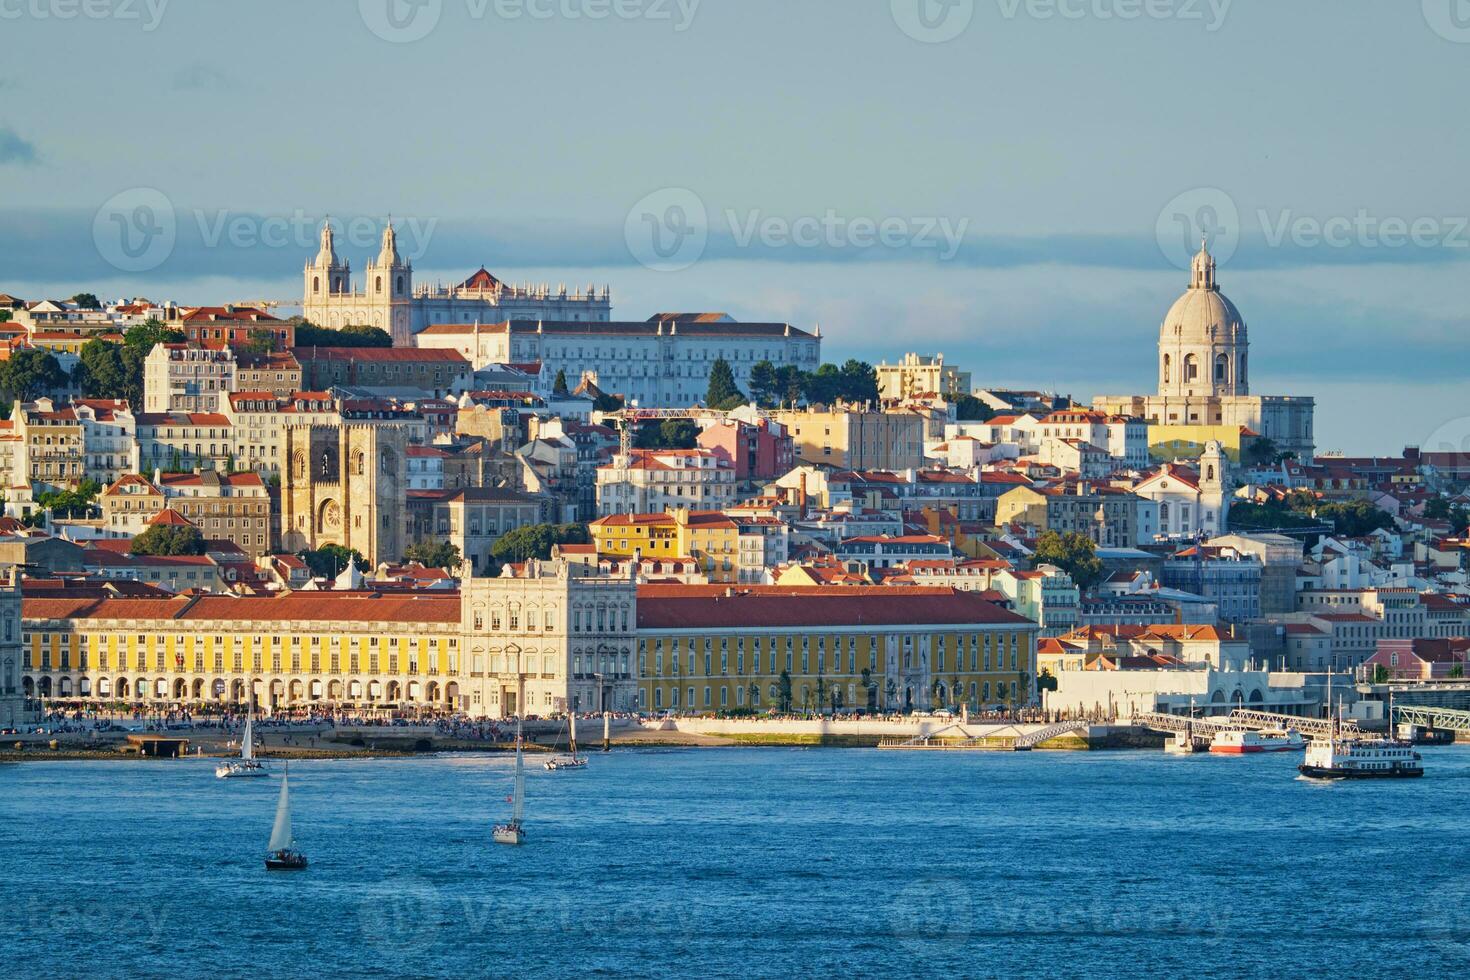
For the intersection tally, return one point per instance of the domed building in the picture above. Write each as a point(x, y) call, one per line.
point(1204, 381)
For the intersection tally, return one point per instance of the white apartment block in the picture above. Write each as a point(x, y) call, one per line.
point(180, 378)
point(650, 481)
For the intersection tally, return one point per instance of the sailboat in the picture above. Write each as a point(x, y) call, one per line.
point(281, 853)
point(247, 764)
point(571, 760)
point(513, 832)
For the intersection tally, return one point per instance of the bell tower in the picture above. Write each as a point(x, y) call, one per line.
point(327, 275)
point(390, 289)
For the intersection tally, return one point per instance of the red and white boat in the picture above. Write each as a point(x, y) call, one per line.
point(1244, 742)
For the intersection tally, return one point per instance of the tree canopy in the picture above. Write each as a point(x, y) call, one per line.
point(559, 386)
point(434, 554)
point(855, 381)
point(968, 408)
point(668, 434)
point(76, 502)
point(722, 393)
point(309, 334)
point(536, 541)
point(30, 372)
point(1073, 553)
point(329, 560)
point(87, 301)
point(168, 539)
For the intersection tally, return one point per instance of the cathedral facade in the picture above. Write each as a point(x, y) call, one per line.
point(1204, 374)
point(389, 299)
point(344, 484)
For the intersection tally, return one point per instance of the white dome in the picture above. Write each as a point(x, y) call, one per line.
point(1203, 316)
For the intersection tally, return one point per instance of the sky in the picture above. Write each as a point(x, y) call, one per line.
point(1014, 183)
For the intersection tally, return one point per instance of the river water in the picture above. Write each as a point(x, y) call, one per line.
point(749, 862)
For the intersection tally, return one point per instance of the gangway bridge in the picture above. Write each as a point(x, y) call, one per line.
point(998, 738)
point(1447, 719)
point(1241, 719)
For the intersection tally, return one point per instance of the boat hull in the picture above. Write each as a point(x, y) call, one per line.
point(285, 864)
point(509, 834)
point(1322, 772)
point(240, 772)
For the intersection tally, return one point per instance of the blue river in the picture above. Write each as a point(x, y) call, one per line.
point(740, 862)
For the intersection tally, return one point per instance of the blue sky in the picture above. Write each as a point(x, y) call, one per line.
point(1036, 174)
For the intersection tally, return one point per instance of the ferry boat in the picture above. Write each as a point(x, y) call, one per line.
point(1366, 758)
point(1244, 742)
point(1183, 743)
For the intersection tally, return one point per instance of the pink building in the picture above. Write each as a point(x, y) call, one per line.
point(760, 451)
point(1422, 658)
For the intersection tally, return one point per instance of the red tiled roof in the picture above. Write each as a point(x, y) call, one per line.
point(714, 606)
point(359, 607)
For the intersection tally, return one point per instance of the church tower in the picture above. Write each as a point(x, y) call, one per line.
point(1214, 487)
point(1203, 341)
point(390, 288)
point(327, 275)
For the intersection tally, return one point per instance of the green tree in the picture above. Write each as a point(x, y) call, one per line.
point(261, 341)
point(30, 372)
point(824, 386)
point(4, 316)
point(1380, 674)
point(77, 502)
point(764, 384)
point(559, 386)
point(168, 539)
point(87, 301)
point(329, 560)
point(968, 408)
point(1072, 552)
point(790, 384)
point(1260, 451)
point(150, 332)
point(859, 381)
point(100, 372)
point(668, 434)
point(1045, 681)
point(722, 393)
point(1355, 518)
point(360, 335)
point(434, 554)
point(753, 695)
point(783, 696)
point(536, 541)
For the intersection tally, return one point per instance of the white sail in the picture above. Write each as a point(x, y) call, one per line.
point(247, 741)
point(518, 802)
point(572, 738)
point(281, 832)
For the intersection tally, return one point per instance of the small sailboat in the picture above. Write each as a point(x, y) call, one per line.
point(571, 760)
point(513, 832)
point(247, 764)
point(281, 853)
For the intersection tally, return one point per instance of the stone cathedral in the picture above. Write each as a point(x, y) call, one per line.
point(1204, 373)
point(344, 483)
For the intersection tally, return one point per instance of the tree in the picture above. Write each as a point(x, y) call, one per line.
point(536, 541)
point(790, 384)
point(783, 697)
point(87, 301)
point(77, 502)
point(1355, 518)
point(434, 554)
point(168, 539)
point(559, 386)
point(329, 560)
point(261, 342)
point(1380, 674)
point(764, 383)
point(30, 372)
point(668, 434)
point(100, 372)
point(150, 332)
point(4, 316)
point(722, 393)
point(968, 408)
point(753, 695)
point(824, 386)
point(310, 335)
point(1072, 552)
point(859, 381)
point(1045, 681)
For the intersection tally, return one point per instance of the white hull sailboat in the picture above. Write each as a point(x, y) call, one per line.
point(571, 760)
point(513, 832)
point(247, 764)
point(281, 853)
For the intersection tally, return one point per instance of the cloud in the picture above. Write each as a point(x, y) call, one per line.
point(16, 149)
point(199, 77)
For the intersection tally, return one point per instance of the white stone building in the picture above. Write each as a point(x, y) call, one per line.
point(650, 481)
point(657, 363)
point(391, 301)
point(1192, 503)
point(184, 378)
point(1204, 373)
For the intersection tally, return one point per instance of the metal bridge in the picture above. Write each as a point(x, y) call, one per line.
point(1449, 719)
point(1001, 738)
point(1239, 719)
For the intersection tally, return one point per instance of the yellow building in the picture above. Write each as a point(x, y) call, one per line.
point(707, 536)
point(851, 438)
point(711, 649)
point(1170, 443)
point(287, 651)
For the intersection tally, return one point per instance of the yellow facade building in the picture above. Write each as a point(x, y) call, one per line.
point(711, 649)
point(707, 536)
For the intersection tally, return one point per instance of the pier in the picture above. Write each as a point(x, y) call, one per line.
point(1444, 719)
point(1242, 718)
